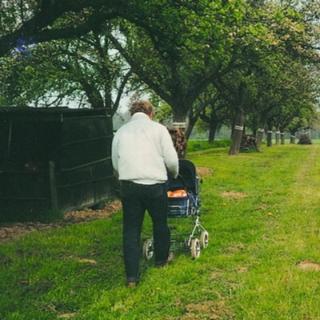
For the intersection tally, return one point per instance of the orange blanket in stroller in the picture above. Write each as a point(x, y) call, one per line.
point(180, 193)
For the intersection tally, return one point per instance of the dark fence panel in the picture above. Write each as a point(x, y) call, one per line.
point(54, 159)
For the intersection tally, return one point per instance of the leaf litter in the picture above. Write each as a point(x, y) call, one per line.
point(16, 230)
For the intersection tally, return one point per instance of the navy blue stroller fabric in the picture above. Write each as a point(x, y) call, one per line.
point(187, 180)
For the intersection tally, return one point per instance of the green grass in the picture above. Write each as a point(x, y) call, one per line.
point(262, 213)
point(199, 145)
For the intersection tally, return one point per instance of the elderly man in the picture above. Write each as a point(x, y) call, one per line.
point(142, 154)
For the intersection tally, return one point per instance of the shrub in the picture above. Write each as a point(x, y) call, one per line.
point(304, 139)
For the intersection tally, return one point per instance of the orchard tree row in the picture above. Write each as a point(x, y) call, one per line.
point(241, 63)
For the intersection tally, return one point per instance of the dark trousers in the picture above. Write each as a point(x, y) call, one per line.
point(136, 199)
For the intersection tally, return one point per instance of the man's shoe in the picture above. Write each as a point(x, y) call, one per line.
point(132, 284)
point(170, 258)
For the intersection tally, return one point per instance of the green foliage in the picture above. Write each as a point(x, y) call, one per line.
point(180, 51)
point(254, 57)
point(82, 72)
point(163, 113)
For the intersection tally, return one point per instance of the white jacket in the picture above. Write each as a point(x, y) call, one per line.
point(142, 151)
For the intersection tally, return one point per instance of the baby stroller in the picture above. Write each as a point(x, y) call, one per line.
point(184, 202)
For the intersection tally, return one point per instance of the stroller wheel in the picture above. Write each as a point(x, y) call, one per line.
point(204, 239)
point(195, 248)
point(147, 249)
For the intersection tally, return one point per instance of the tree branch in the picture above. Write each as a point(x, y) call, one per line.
point(120, 90)
point(136, 68)
point(37, 28)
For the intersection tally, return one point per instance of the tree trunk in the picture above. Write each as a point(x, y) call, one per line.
point(282, 138)
point(179, 114)
point(212, 131)
point(259, 136)
point(269, 138)
point(277, 137)
point(292, 138)
point(190, 123)
point(178, 131)
point(188, 131)
point(237, 133)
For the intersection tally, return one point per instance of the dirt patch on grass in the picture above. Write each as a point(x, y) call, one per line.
point(89, 214)
point(204, 171)
point(209, 310)
point(262, 207)
point(235, 248)
point(67, 315)
point(16, 230)
point(216, 275)
point(233, 195)
point(242, 270)
point(86, 261)
point(308, 266)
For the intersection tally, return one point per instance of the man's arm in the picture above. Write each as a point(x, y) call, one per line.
point(114, 153)
point(169, 153)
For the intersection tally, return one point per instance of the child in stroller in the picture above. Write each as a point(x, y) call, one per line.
point(184, 202)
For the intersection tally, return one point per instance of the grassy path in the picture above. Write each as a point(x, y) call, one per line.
point(282, 283)
point(263, 214)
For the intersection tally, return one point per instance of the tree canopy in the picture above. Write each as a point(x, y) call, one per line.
point(255, 62)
